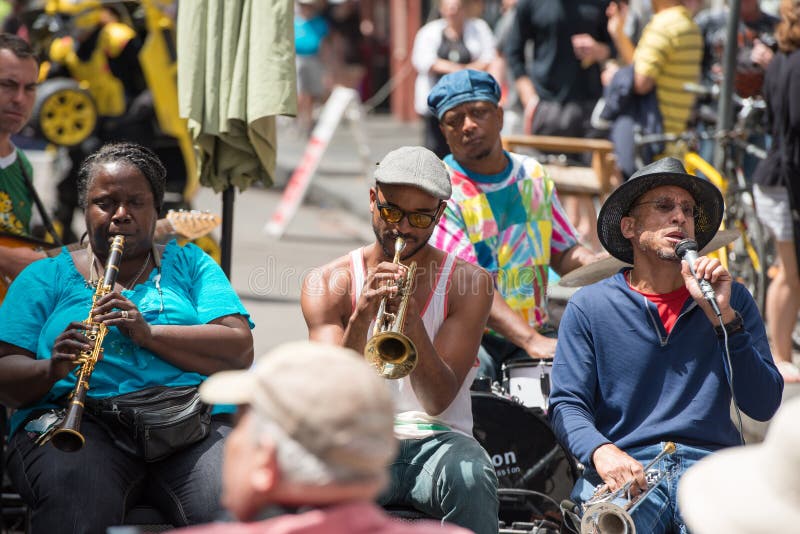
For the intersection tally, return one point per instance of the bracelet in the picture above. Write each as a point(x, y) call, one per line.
point(731, 327)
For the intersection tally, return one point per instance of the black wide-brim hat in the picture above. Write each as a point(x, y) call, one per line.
point(666, 171)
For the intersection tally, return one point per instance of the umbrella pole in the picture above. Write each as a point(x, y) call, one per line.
point(228, 196)
point(725, 105)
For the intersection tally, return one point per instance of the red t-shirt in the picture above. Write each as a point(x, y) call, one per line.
point(669, 304)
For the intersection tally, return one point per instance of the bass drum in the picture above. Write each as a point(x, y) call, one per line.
point(533, 471)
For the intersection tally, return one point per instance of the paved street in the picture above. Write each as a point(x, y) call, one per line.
point(268, 272)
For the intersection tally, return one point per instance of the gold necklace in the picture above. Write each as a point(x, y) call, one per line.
point(131, 283)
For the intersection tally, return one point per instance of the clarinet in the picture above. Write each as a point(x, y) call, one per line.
point(67, 437)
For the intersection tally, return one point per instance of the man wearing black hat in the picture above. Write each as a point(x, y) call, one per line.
point(504, 215)
point(645, 358)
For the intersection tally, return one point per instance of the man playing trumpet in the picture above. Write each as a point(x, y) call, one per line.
point(441, 470)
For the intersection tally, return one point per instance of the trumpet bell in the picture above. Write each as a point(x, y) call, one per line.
point(607, 518)
point(392, 354)
point(610, 512)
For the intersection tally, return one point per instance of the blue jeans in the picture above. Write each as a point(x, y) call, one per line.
point(448, 476)
point(91, 489)
point(658, 513)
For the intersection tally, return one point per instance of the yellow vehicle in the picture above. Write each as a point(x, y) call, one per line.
point(69, 109)
point(109, 73)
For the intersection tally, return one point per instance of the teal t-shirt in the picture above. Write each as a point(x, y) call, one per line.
point(308, 35)
point(189, 289)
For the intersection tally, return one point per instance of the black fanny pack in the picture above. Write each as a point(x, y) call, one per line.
point(155, 422)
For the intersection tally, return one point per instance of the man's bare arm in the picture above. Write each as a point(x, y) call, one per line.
point(511, 325)
point(526, 91)
point(617, 12)
point(572, 258)
point(14, 259)
point(643, 84)
point(321, 307)
point(444, 363)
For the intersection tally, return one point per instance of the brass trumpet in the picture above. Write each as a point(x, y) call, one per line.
point(390, 351)
point(610, 512)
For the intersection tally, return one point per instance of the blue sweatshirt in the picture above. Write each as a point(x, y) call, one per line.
point(618, 377)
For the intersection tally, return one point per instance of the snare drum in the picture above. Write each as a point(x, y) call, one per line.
point(528, 381)
point(534, 472)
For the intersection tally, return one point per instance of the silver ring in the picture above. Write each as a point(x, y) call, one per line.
point(124, 314)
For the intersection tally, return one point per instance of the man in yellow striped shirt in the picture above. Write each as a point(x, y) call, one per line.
point(668, 55)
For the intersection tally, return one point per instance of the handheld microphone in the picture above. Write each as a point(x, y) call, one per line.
point(572, 516)
point(570, 506)
point(686, 249)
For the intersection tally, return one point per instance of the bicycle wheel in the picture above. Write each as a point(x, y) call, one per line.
point(748, 255)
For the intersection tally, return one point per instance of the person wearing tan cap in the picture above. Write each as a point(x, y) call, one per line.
point(748, 490)
point(312, 445)
point(441, 469)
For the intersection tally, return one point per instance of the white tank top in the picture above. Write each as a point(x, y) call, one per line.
point(411, 420)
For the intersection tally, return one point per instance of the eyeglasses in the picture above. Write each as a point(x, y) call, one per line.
point(394, 215)
point(667, 205)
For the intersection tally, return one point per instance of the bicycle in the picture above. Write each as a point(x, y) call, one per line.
point(748, 257)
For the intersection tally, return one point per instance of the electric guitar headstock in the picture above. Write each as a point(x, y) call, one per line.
point(187, 224)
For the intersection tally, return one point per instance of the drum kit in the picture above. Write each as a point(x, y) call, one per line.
point(535, 473)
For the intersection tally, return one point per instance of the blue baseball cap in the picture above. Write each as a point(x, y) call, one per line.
point(462, 86)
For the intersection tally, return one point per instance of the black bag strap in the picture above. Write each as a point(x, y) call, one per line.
point(48, 223)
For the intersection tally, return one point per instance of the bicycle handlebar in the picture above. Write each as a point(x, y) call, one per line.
point(701, 90)
point(650, 139)
point(751, 149)
point(713, 91)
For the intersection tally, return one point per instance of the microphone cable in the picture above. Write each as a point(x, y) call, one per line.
point(687, 251)
point(729, 377)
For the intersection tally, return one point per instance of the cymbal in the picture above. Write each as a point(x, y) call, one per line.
point(592, 272)
point(601, 269)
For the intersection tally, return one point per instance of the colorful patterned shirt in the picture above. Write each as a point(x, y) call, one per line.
point(510, 224)
point(15, 199)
